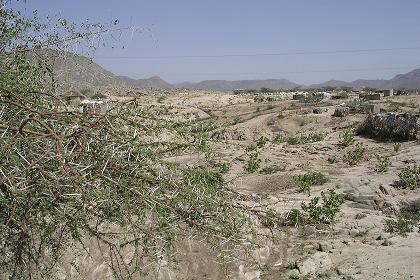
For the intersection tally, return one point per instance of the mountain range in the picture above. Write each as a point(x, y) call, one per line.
point(77, 72)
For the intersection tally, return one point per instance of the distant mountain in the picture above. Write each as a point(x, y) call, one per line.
point(410, 80)
point(78, 72)
point(152, 82)
point(241, 84)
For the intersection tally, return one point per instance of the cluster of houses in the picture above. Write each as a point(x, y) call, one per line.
point(81, 103)
point(319, 95)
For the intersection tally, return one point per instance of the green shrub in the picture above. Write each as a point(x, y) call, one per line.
point(355, 156)
point(253, 163)
point(306, 181)
point(199, 176)
point(262, 141)
point(383, 163)
point(324, 213)
point(279, 139)
point(401, 225)
point(272, 169)
point(346, 138)
point(305, 138)
point(396, 146)
point(410, 177)
point(299, 139)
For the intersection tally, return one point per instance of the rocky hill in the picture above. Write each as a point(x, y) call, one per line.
point(77, 72)
point(410, 80)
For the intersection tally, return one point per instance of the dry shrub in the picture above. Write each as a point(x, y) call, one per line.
point(390, 127)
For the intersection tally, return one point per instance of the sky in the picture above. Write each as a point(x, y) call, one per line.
point(304, 41)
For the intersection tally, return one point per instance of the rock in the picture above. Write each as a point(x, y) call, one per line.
point(387, 190)
point(382, 236)
point(307, 267)
point(354, 232)
point(317, 263)
point(293, 274)
point(244, 274)
point(325, 247)
point(386, 242)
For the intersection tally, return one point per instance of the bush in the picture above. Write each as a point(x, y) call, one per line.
point(355, 156)
point(326, 212)
point(253, 163)
point(306, 181)
point(199, 176)
point(299, 139)
point(262, 141)
point(389, 127)
point(322, 214)
point(346, 138)
point(402, 225)
point(272, 169)
point(383, 163)
point(396, 146)
point(70, 178)
point(279, 139)
point(410, 177)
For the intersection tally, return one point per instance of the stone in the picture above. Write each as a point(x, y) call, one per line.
point(307, 267)
point(387, 190)
point(383, 236)
point(317, 263)
point(325, 247)
point(293, 274)
point(386, 242)
point(354, 232)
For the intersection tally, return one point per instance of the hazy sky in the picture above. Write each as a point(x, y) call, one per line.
point(296, 30)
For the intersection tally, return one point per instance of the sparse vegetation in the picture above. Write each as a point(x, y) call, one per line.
point(262, 141)
point(253, 163)
point(272, 169)
point(355, 156)
point(346, 138)
point(401, 225)
point(410, 177)
point(306, 181)
point(317, 213)
point(396, 146)
point(382, 163)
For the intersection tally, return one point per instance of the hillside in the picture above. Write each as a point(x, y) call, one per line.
point(410, 80)
point(77, 72)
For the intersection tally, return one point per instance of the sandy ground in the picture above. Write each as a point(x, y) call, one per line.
point(355, 247)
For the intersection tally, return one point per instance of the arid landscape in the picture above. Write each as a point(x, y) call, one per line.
point(194, 140)
point(358, 244)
